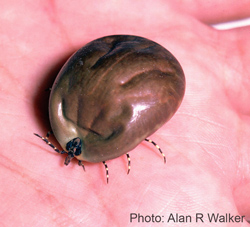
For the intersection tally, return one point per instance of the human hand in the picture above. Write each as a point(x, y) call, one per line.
point(206, 143)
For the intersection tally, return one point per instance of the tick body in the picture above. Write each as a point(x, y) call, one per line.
point(112, 94)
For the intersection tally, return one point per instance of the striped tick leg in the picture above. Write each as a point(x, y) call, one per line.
point(150, 141)
point(81, 164)
point(129, 163)
point(107, 171)
point(45, 139)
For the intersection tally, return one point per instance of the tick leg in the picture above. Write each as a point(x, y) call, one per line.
point(48, 133)
point(150, 141)
point(129, 163)
point(81, 164)
point(107, 171)
point(45, 139)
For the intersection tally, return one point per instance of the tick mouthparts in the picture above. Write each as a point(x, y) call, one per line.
point(68, 158)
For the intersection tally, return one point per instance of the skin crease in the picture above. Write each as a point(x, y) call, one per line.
point(206, 142)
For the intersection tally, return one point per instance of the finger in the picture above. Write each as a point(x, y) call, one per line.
point(215, 11)
point(235, 46)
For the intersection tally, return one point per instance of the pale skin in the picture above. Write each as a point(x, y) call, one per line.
point(206, 143)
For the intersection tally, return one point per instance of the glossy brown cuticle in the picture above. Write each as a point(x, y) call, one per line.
point(113, 93)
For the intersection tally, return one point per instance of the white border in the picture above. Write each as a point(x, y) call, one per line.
point(232, 24)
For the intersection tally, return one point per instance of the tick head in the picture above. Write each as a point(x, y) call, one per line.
point(74, 148)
